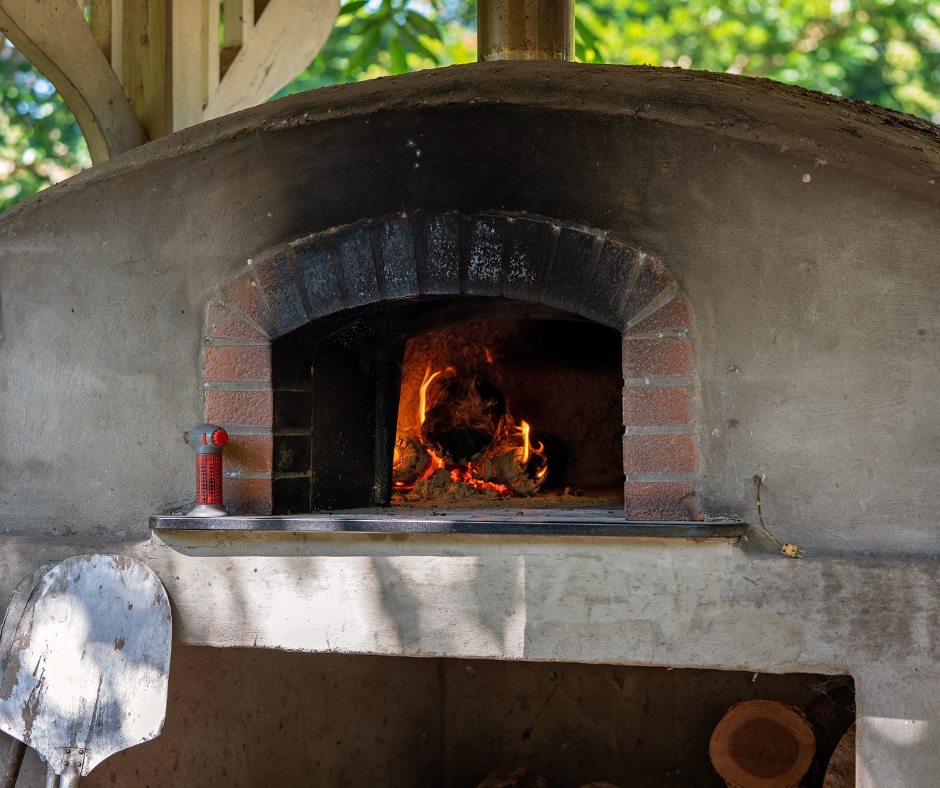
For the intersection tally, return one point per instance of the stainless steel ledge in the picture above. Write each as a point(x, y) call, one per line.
point(396, 520)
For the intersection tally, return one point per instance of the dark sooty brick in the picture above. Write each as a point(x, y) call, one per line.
point(316, 260)
point(290, 495)
point(292, 410)
point(291, 453)
point(489, 237)
point(394, 249)
point(568, 268)
point(653, 279)
point(527, 256)
point(438, 251)
point(611, 279)
point(280, 290)
point(358, 266)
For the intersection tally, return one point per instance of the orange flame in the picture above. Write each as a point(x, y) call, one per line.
point(423, 392)
point(525, 442)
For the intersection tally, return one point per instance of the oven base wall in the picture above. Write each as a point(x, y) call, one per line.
point(641, 602)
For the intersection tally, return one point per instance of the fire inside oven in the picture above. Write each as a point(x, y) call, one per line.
point(495, 411)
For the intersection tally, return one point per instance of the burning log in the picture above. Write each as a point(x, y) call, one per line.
point(762, 743)
point(410, 461)
point(513, 777)
point(520, 468)
point(463, 418)
point(523, 475)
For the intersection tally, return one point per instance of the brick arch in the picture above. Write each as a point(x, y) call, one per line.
point(521, 257)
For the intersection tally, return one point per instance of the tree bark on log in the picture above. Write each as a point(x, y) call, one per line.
point(841, 771)
point(831, 715)
point(762, 744)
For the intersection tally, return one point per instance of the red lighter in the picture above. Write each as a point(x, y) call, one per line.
point(208, 440)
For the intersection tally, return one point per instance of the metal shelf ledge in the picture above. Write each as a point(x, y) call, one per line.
point(395, 520)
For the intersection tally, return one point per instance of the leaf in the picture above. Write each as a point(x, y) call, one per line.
point(587, 35)
point(587, 41)
point(352, 7)
point(399, 59)
point(417, 47)
point(366, 50)
point(424, 26)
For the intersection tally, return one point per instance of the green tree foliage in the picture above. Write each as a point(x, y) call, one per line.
point(882, 51)
point(40, 142)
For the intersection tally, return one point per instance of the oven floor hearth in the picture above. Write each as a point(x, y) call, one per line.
point(507, 521)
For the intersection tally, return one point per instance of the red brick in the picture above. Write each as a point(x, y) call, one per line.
point(222, 324)
point(658, 454)
point(248, 453)
point(672, 316)
point(247, 496)
point(238, 362)
point(243, 293)
point(656, 406)
point(665, 357)
point(660, 501)
point(240, 408)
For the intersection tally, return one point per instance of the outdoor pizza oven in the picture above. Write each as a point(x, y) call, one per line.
point(504, 351)
point(501, 350)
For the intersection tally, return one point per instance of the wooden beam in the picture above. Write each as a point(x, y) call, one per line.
point(283, 41)
point(57, 40)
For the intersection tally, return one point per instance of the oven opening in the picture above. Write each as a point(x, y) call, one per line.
point(511, 412)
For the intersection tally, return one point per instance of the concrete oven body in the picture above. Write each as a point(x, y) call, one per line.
point(796, 241)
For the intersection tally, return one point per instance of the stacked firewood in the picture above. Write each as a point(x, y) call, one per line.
point(763, 744)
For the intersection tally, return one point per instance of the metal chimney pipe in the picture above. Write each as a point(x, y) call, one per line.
point(525, 30)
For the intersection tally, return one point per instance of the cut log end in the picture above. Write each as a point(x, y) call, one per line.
point(762, 743)
point(410, 461)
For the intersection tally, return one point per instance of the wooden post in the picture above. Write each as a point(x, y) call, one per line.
point(145, 64)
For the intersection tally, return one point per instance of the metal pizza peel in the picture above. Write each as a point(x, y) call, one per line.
point(84, 662)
